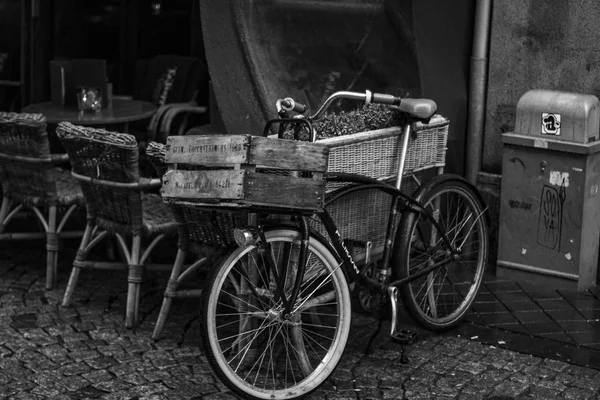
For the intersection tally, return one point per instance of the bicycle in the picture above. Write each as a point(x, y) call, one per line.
point(276, 309)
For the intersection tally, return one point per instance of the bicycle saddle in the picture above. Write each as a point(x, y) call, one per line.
point(420, 108)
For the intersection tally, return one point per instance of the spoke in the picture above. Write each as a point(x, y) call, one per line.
point(240, 300)
point(306, 286)
point(313, 273)
point(228, 324)
point(318, 335)
point(426, 286)
point(262, 271)
point(458, 227)
point(239, 337)
point(270, 359)
point(248, 332)
point(258, 363)
point(268, 346)
point(246, 348)
point(252, 286)
point(430, 297)
point(288, 360)
point(471, 228)
point(437, 295)
point(326, 280)
point(456, 293)
point(294, 351)
point(334, 304)
point(471, 243)
point(319, 326)
point(310, 340)
point(425, 260)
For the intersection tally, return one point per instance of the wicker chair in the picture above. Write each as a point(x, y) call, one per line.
point(201, 233)
point(31, 180)
point(106, 165)
point(178, 86)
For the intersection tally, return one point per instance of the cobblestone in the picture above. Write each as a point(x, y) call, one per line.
point(83, 352)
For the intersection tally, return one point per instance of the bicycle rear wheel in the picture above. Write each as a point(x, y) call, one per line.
point(439, 299)
point(256, 350)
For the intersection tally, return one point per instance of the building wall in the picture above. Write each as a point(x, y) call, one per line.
point(534, 44)
point(549, 44)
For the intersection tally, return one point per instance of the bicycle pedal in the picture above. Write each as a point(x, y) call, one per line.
point(404, 336)
point(403, 357)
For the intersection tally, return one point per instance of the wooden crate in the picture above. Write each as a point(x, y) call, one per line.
point(242, 171)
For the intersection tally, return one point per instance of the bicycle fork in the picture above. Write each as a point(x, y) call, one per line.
point(281, 276)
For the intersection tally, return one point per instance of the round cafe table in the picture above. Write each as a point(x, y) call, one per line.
point(122, 112)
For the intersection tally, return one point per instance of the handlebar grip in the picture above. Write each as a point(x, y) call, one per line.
point(289, 104)
point(385, 99)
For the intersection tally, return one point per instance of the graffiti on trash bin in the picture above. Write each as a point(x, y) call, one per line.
point(549, 230)
point(519, 205)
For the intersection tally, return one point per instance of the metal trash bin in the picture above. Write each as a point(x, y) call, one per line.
point(550, 202)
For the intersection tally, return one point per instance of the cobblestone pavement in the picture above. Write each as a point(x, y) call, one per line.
point(83, 352)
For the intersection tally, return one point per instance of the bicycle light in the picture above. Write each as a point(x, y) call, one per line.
point(243, 237)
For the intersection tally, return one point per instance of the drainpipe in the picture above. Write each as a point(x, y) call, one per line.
point(477, 89)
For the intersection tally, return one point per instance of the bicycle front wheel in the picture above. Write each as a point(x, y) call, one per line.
point(255, 348)
point(439, 299)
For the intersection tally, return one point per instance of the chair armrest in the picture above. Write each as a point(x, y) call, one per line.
point(142, 184)
point(146, 183)
point(154, 124)
point(53, 159)
point(59, 158)
point(122, 97)
point(171, 114)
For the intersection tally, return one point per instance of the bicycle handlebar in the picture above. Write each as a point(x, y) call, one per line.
point(289, 104)
point(368, 97)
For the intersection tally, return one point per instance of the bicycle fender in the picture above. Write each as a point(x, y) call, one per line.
point(430, 183)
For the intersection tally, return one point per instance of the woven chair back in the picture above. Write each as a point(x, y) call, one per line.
point(105, 157)
point(24, 158)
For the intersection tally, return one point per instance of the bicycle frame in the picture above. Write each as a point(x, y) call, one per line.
point(350, 268)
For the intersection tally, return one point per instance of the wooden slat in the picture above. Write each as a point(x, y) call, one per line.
point(218, 184)
point(234, 150)
point(219, 150)
point(10, 83)
point(277, 190)
point(288, 154)
point(240, 188)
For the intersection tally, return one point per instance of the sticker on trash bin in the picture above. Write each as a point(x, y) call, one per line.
point(550, 124)
point(558, 178)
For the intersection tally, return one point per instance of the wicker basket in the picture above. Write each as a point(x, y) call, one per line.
point(363, 216)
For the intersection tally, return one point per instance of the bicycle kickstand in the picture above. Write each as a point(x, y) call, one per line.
point(402, 336)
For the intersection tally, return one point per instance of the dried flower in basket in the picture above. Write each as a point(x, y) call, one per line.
point(366, 118)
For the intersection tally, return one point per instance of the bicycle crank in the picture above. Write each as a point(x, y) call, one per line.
point(402, 336)
point(369, 300)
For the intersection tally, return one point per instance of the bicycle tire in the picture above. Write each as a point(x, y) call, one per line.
point(439, 299)
point(244, 335)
